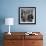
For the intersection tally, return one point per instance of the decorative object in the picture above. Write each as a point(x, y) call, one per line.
point(30, 33)
point(9, 21)
point(27, 15)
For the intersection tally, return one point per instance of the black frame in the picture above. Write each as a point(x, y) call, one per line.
point(27, 8)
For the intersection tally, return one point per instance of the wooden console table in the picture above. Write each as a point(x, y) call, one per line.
point(20, 39)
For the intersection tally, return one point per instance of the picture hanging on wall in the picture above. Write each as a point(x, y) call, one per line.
point(27, 15)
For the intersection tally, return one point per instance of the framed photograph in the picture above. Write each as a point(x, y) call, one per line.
point(27, 15)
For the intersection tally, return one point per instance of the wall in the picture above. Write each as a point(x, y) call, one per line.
point(9, 8)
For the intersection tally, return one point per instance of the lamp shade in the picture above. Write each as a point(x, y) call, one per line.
point(9, 21)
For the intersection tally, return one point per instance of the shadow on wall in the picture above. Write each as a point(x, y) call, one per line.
point(2, 21)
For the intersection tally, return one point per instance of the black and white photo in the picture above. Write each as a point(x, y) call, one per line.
point(27, 15)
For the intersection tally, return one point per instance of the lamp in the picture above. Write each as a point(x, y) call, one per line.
point(9, 21)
